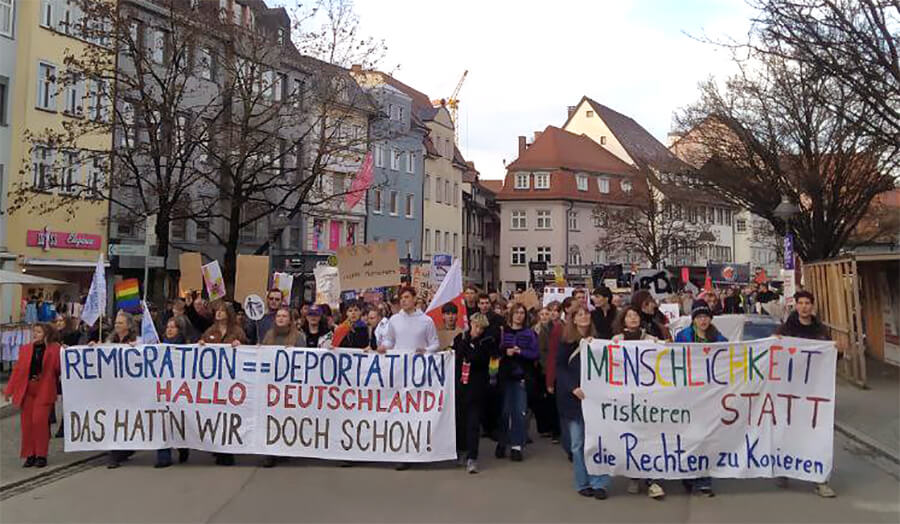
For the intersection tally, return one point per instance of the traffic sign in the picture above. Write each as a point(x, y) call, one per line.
point(154, 261)
point(132, 250)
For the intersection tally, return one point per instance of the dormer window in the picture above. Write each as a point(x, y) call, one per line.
point(603, 184)
point(582, 182)
point(626, 186)
point(542, 181)
point(522, 181)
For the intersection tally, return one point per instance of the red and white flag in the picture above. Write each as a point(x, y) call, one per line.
point(451, 290)
point(361, 182)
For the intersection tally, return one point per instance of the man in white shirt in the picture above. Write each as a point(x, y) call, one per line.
point(410, 329)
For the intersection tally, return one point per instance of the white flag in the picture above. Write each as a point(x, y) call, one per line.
point(148, 330)
point(96, 299)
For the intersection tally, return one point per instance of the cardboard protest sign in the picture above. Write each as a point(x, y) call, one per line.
point(421, 280)
point(191, 278)
point(285, 283)
point(251, 276)
point(347, 405)
point(557, 294)
point(212, 277)
point(654, 280)
point(328, 285)
point(369, 265)
point(763, 408)
point(529, 299)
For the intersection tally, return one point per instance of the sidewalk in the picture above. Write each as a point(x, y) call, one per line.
point(872, 416)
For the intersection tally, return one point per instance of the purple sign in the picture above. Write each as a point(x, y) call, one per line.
point(789, 251)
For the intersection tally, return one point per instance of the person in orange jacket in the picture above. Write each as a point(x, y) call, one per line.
point(32, 388)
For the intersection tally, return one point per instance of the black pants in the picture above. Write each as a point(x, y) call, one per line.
point(468, 426)
point(546, 415)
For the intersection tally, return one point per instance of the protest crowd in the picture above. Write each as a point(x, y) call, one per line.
point(517, 359)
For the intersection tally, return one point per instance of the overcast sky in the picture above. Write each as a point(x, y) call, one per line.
point(529, 60)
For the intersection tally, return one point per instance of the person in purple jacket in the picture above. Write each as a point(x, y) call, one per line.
point(519, 351)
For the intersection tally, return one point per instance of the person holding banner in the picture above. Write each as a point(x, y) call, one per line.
point(652, 321)
point(274, 298)
point(701, 330)
point(353, 332)
point(545, 409)
point(124, 332)
point(32, 388)
point(604, 313)
point(473, 353)
point(518, 354)
point(315, 329)
point(176, 327)
point(377, 320)
point(802, 323)
point(579, 328)
point(283, 331)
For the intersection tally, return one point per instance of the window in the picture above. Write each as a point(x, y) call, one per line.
point(543, 219)
point(70, 172)
point(741, 225)
point(177, 229)
point(521, 181)
point(393, 203)
point(97, 101)
point(6, 17)
point(377, 205)
point(4, 98)
point(447, 195)
point(204, 63)
point(720, 216)
point(410, 162)
point(47, 13)
point(575, 256)
point(438, 190)
point(455, 243)
point(599, 255)
point(603, 184)
point(543, 254)
point(427, 240)
point(42, 163)
point(156, 45)
point(126, 130)
point(125, 227)
point(519, 220)
point(46, 87)
point(446, 241)
point(597, 219)
point(379, 156)
point(542, 181)
point(582, 182)
point(573, 221)
point(728, 217)
point(395, 160)
point(410, 202)
point(426, 190)
point(96, 177)
point(437, 241)
point(626, 186)
point(455, 194)
point(518, 256)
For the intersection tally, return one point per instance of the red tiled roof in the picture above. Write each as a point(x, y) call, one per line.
point(421, 101)
point(564, 186)
point(559, 149)
point(494, 186)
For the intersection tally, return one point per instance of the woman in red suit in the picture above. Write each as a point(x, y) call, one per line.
point(32, 387)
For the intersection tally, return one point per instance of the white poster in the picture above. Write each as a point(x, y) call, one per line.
point(285, 283)
point(752, 409)
point(345, 405)
point(328, 285)
point(671, 311)
point(556, 294)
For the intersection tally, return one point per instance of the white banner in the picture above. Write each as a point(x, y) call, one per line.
point(334, 404)
point(763, 408)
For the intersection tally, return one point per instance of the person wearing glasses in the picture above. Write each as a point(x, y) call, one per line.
point(273, 304)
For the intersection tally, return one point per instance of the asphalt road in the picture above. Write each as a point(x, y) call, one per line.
point(536, 490)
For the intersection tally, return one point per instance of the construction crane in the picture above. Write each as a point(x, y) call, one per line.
point(452, 103)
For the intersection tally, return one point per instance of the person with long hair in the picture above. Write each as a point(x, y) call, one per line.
point(579, 328)
point(473, 353)
point(652, 321)
point(174, 333)
point(519, 352)
point(283, 331)
point(124, 332)
point(701, 330)
point(628, 327)
point(545, 408)
point(32, 388)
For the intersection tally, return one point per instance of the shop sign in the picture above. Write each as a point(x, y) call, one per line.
point(48, 240)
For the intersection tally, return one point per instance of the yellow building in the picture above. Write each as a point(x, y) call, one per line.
point(56, 227)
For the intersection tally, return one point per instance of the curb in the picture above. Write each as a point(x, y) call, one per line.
point(10, 489)
point(867, 442)
point(7, 410)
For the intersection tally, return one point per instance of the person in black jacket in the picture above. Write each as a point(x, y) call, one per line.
point(174, 332)
point(473, 353)
point(802, 323)
point(604, 313)
point(490, 416)
point(569, 396)
point(358, 334)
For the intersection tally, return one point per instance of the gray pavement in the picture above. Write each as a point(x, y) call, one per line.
point(873, 413)
point(537, 490)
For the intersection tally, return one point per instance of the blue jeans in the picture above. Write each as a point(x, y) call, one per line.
point(582, 478)
point(512, 419)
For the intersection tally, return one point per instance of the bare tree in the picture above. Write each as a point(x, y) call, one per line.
point(660, 229)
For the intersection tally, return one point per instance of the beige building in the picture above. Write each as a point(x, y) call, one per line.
point(547, 205)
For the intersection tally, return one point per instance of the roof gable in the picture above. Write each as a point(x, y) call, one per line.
point(556, 148)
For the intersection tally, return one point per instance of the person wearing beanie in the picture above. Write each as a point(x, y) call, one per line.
point(701, 330)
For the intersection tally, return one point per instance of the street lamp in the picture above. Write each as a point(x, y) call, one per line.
point(785, 211)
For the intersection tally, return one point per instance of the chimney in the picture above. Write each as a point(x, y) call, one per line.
point(356, 68)
point(522, 145)
point(572, 111)
point(537, 134)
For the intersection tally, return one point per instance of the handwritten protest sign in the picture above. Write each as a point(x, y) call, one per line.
point(752, 409)
point(251, 277)
point(421, 280)
point(212, 276)
point(529, 299)
point(440, 265)
point(328, 285)
point(559, 294)
point(270, 400)
point(189, 265)
point(368, 266)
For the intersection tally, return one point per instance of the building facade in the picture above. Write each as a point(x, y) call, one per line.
point(8, 40)
point(481, 225)
point(547, 205)
point(48, 238)
point(629, 141)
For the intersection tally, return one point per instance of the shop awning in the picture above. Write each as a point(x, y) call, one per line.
point(13, 277)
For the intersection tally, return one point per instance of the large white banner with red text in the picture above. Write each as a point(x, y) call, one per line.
point(334, 404)
point(762, 408)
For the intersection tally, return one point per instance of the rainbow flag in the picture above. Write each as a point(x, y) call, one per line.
point(128, 295)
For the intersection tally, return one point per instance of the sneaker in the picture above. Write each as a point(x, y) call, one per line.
point(515, 455)
point(268, 461)
point(823, 490)
point(600, 494)
point(225, 459)
point(183, 454)
point(29, 462)
point(162, 464)
point(706, 491)
point(634, 486)
point(402, 466)
point(500, 452)
point(655, 491)
point(554, 440)
point(586, 492)
point(471, 467)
